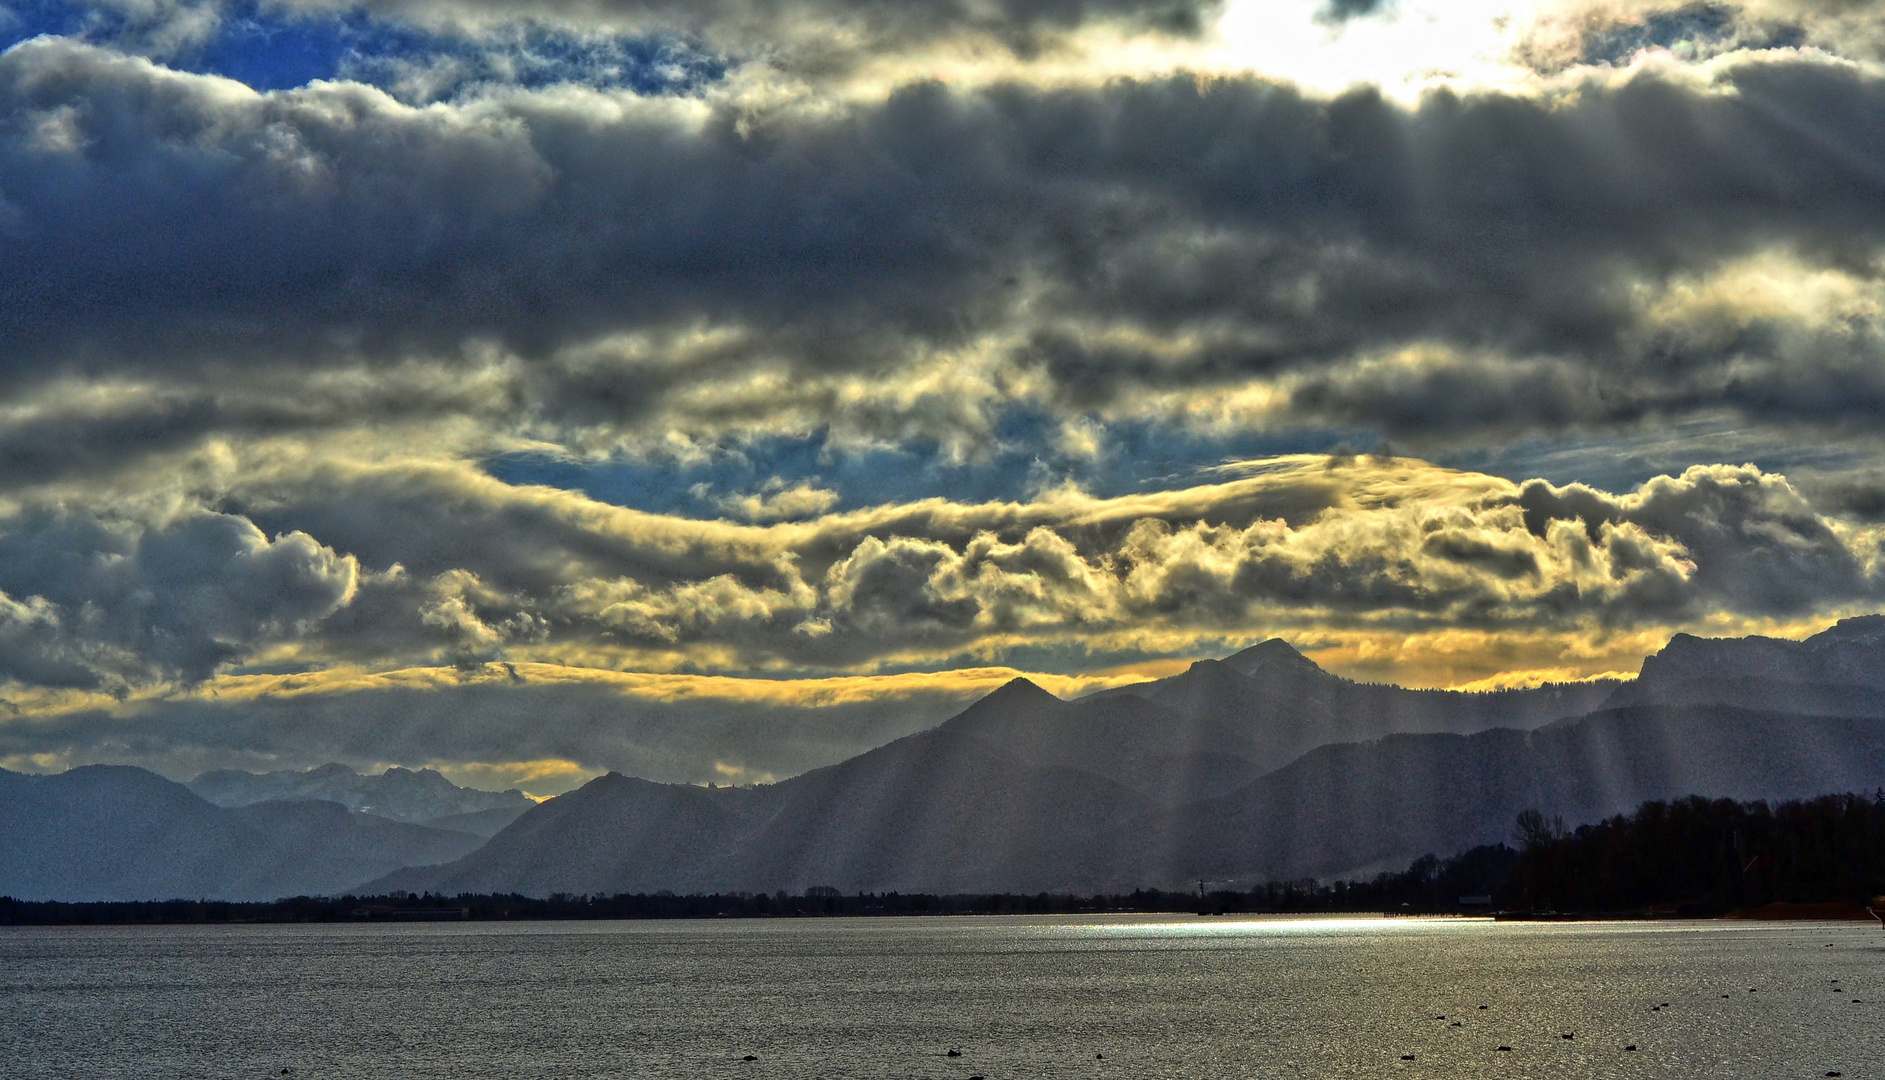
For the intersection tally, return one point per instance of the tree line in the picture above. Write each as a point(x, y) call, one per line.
point(1703, 856)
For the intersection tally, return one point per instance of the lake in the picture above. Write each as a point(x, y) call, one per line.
point(1160, 997)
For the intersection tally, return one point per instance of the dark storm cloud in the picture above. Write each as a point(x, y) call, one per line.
point(73, 433)
point(434, 520)
point(1858, 494)
point(165, 225)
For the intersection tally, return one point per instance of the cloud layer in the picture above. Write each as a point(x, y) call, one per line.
point(829, 338)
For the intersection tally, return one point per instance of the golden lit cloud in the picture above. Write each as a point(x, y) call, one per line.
point(537, 779)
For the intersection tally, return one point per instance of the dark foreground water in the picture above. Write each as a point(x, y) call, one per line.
point(1160, 997)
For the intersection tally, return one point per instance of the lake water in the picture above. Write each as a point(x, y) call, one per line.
point(1160, 997)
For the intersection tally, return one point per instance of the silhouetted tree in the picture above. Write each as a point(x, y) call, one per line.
point(1705, 854)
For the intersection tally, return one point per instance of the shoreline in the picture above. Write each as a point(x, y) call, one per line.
point(634, 908)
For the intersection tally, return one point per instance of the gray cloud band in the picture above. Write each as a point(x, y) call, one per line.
point(1160, 236)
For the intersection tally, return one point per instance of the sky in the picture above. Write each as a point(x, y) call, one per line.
point(709, 390)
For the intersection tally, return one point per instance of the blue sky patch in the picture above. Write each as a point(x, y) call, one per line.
point(270, 49)
point(1622, 462)
point(1140, 457)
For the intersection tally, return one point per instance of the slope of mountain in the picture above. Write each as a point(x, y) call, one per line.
point(944, 812)
point(105, 832)
point(1165, 756)
point(613, 834)
point(1361, 806)
point(422, 797)
point(485, 823)
point(939, 810)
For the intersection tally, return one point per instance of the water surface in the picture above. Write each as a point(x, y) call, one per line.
point(1161, 998)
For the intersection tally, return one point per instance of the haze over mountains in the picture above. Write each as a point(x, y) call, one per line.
point(111, 832)
point(106, 832)
point(1259, 766)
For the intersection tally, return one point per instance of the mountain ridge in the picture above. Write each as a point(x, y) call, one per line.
point(1024, 792)
point(1834, 672)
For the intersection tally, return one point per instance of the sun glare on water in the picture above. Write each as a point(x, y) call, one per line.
point(1192, 927)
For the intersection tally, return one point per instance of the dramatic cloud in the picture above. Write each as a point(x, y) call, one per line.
point(829, 339)
point(463, 567)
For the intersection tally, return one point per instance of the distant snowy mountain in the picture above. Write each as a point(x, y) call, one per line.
point(422, 797)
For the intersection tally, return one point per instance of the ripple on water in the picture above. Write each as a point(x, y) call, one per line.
point(1152, 998)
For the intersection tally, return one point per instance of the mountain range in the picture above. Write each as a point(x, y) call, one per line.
point(1259, 766)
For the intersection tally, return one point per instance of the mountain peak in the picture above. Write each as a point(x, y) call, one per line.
point(1016, 699)
point(1019, 688)
point(1272, 655)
